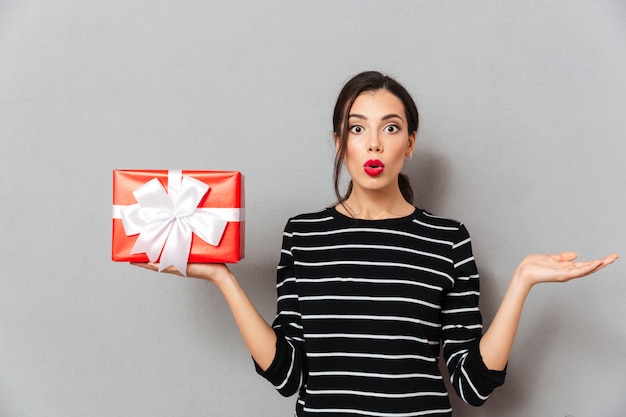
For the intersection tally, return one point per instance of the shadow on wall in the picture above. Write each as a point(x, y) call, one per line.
point(427, 172)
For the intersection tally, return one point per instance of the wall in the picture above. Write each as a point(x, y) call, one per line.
point(522, 138)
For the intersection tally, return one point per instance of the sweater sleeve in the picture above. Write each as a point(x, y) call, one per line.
point(462, 329)
point(288, 369)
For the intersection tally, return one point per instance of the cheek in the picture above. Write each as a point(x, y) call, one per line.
point(399, 150)
point(349, 158)
point(352, 150)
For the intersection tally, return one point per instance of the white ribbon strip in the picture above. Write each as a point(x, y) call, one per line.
point(229, 214)
point(165, 221)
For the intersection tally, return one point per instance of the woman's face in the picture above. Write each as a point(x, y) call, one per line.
point(378, 141)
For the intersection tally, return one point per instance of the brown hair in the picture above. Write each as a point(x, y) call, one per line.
point(368, 81)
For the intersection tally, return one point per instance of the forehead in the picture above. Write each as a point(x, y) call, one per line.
point(379, 103)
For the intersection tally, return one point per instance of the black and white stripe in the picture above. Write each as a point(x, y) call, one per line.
point(363, 307)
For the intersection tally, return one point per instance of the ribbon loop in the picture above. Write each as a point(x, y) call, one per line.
point(165, 221)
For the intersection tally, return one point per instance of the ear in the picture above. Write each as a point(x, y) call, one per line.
point(411, 146)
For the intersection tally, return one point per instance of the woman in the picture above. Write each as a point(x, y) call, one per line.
point(368, 290)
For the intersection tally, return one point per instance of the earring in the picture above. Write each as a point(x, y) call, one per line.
point(410, 156)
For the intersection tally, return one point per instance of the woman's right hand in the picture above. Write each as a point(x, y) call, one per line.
point(215, 273)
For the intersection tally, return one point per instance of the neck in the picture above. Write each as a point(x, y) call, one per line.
point(375, 205)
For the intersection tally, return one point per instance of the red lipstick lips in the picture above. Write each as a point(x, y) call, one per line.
point(373, 167)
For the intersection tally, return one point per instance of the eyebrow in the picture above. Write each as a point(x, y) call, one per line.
point(386, 117)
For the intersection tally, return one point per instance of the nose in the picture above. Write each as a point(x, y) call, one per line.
point(374, 143)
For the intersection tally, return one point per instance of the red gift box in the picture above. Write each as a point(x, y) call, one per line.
point(165, 216)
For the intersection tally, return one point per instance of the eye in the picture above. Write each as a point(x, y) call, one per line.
point(356, 129)
point(391, 129)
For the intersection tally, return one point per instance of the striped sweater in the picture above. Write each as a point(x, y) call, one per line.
point(364, 307)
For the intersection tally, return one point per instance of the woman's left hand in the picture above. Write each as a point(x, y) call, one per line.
point(562, 267)
point(497, 342)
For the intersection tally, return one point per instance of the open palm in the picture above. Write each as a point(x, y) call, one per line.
point(561, 267)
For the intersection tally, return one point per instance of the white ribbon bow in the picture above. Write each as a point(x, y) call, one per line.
point(165, 221)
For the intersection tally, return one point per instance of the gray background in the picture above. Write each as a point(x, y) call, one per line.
point(522, 138)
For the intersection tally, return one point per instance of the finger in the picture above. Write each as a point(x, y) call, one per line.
point(152, 266)
point(606, 262)
point(602, 262)
point(172, 270)
point(565, 256)
point(146, 265)
point(586, 268)
point(586, 264)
